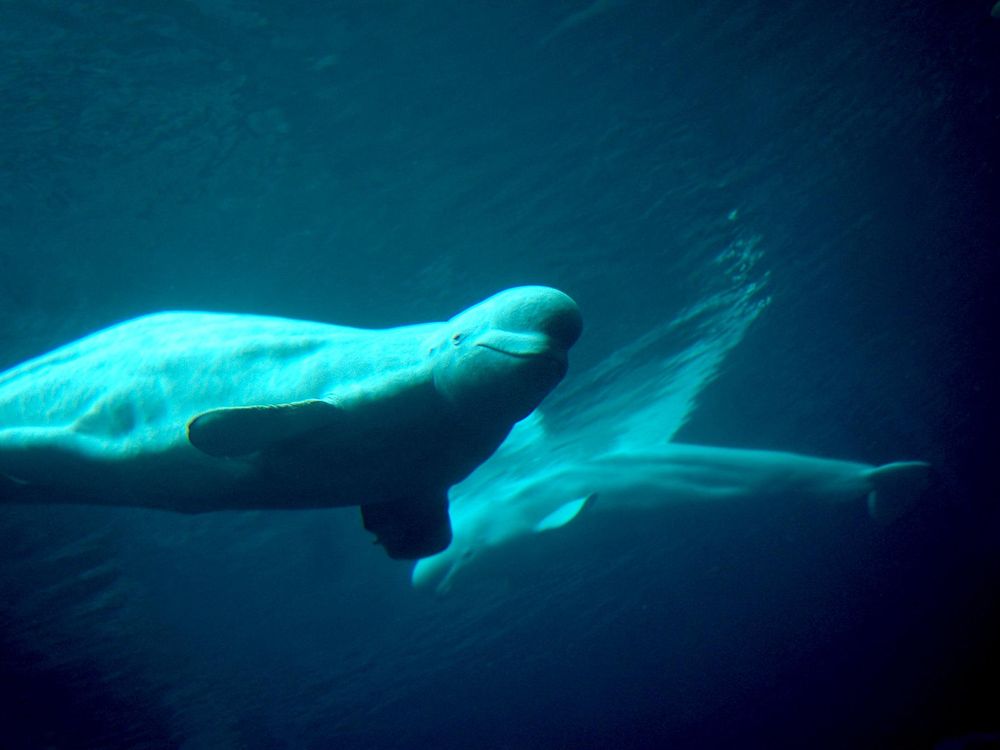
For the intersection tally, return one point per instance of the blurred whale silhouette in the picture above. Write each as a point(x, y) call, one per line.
point(669, 475)
point(195, 412)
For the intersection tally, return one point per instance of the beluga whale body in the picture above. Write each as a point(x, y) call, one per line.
point(510, 507)
point(195, 412)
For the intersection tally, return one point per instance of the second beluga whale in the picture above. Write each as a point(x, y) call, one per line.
point(621, 481)
point(196, 412)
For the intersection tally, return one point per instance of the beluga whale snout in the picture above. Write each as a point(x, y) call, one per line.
point(536, 311)
point(510, 350)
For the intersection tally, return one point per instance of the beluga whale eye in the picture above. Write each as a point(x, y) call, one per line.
point(456, 338)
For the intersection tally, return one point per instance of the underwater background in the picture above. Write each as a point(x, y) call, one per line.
point(780, 222)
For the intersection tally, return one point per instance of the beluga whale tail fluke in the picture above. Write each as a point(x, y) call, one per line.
point(896, 488)
point(195, 412)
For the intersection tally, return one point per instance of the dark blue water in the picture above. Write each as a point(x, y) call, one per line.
point(384, 163)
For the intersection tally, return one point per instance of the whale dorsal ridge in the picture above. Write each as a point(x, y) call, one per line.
point(238, 431)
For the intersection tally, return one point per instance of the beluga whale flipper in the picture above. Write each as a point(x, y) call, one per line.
point(195, 412)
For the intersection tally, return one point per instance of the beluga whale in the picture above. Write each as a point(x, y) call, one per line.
point(195, 412)
point(514, 505)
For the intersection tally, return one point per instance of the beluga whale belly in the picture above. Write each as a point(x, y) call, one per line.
point(195, 412)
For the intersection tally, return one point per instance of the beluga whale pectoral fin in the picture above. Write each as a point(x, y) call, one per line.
point(565, 513)
point(238, 431)
point(410, 529)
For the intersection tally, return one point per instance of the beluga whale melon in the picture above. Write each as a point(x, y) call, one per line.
point(195, 412)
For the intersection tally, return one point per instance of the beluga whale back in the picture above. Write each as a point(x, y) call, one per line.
point(195, 412)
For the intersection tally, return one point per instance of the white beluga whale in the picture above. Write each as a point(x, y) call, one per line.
point(503, 512)
point(195, 412)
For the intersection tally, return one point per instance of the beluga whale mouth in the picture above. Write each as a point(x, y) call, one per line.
point(522, 345)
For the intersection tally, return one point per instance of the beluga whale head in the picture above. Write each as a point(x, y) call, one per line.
point(504, 355)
